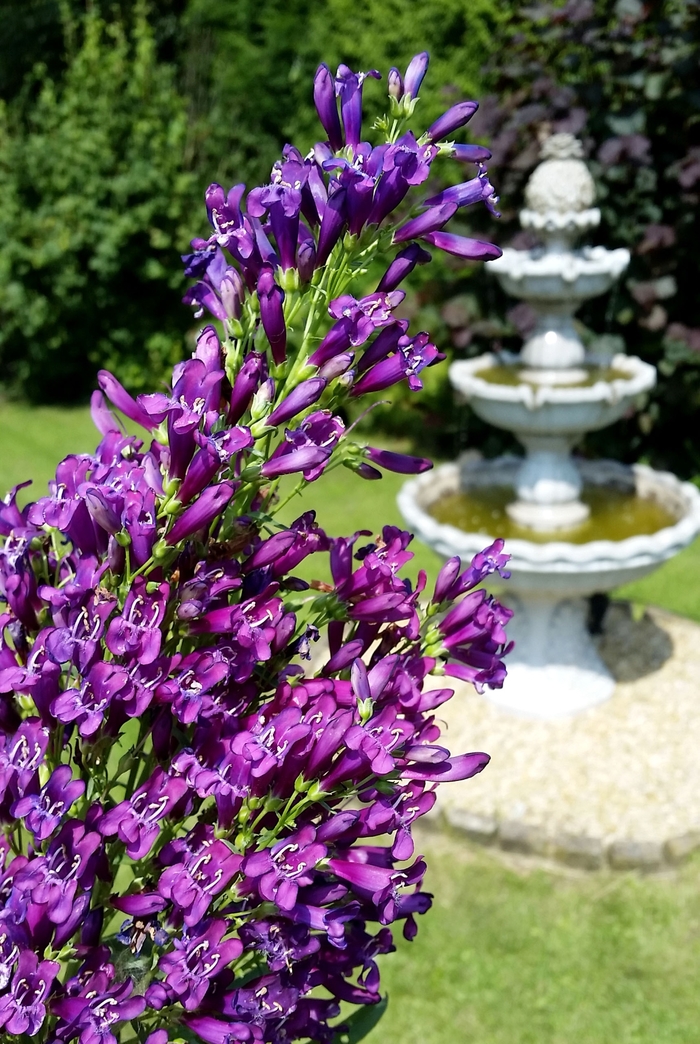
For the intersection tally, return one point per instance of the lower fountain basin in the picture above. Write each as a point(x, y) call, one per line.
point(567, 563)
point(555, 670)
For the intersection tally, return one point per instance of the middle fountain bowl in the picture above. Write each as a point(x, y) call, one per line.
point(555, 670)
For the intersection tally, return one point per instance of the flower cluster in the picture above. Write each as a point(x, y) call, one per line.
point(199, 749)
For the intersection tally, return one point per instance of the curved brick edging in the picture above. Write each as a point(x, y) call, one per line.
point(581, 853)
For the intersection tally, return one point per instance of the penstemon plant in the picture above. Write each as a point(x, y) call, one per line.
point(192, 804)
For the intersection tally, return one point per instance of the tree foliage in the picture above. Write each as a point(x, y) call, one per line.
point(94, 197)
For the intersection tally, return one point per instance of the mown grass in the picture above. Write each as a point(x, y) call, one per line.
point(531, 956)
point(32, 441)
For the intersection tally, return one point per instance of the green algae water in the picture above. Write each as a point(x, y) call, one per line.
point(615, 515)
point(512, 375)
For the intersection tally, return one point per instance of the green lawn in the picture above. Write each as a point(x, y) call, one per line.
point(32, 441)
point(531, 956)
point(506, 955)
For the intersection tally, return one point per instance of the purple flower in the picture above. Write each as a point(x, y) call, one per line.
point(271, 298)
point(399, 462)
point(198, 957)
point(135, 820)
point(303, 396)
point(402, 266)
point(363, 316)
point(452, 120)
point(333, 222)
point(462, 246)
point(417, 68)
point(136, 632)
point(478, 189)
point(429, 221)
point(307, 448)
point(51, 881)
point(471, 153)
point(202, 513)
point(43, 811)
point(411, 357)
point(348, 86)
point(95, 1015)
point(21, 754)
point(90, 701)
point(289, 865)
point(327, 106)
point(245, 385)
point(192, 884)
point(23, 1009)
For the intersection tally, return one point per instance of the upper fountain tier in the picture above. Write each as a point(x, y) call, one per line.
point(554, 278)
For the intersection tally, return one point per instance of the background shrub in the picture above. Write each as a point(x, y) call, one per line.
point(94, 198)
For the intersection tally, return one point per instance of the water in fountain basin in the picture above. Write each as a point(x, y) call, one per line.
point(615, 515)
point(515, 373)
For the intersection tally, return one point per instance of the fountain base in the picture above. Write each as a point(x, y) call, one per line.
point(554, 670)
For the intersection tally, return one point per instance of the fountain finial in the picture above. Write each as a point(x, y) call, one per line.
point(560, 194)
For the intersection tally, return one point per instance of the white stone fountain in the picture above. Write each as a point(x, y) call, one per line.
point(556, 512)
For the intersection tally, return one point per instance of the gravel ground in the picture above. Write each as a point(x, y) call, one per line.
point(626, 770)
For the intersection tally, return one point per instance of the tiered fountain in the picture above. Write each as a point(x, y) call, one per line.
point(573, 528)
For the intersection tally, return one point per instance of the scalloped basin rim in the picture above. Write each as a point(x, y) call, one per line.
point(656, 546)
point(464, 374)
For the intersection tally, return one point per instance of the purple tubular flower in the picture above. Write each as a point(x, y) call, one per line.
point(202, 513)
point(327, 106)
point(136, 632)
point(402, 266)
point(401, 463)
point(245, 385)
point(289, 865)
point(390, 191)
point(196, 959)
point(348, 85)
point(471, 153)
point(23, 1009)
point(42, 811)
point(417, 68)
point(474, 191)
point(232, 292)
point(462, 246)
point(395, 84)
point(92, 1017)
point(271, 297)
point(216, 452)
point(307, 448)
point(135, 821)
point(411, 357)
point(336, 341)
point(428, 221)
point(450, 121)
point(119, 397)
point(463, 766)
point(332, 225)
point(450, 584)
point(303, 396)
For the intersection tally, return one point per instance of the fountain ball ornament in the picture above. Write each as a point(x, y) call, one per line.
point(573, 528)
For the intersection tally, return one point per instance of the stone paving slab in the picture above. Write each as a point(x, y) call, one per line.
point(617, 784)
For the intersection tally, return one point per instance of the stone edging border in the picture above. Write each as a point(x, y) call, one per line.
point(579, 852)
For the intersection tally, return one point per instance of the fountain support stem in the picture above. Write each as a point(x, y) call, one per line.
point(548, 485)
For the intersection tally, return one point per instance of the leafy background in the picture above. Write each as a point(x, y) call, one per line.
point(114, 118)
